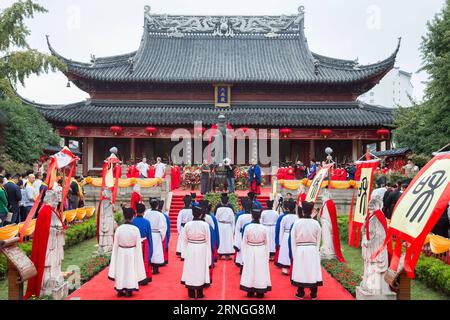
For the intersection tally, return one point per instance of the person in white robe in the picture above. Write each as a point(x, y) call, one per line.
point(374, 235)
point(197, 255)
point(127, 263)
point(305, 239)
point(159, 230)
point(184, 216)
point(255, 249)
point(225, 219)
point(284, 261)
point(269, 219)
point(242, 220)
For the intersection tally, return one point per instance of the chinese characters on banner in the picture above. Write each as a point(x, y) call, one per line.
point(367, 169)
point(316, 184)
point(417, 211)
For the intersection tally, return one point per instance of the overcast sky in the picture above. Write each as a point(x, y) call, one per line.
point(347, 29)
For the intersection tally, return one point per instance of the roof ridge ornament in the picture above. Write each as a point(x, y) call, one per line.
point(224, 26)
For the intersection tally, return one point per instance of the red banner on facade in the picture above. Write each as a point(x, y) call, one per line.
point(417, 212)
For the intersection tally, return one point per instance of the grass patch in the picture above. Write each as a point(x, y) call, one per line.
point(76, 255)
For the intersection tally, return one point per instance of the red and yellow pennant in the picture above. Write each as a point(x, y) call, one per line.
point(359, 213)
point(417, 212)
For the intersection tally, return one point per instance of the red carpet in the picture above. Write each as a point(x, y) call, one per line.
point(225, 286)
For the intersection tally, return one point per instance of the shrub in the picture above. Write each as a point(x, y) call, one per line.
point(214, 200)
point(434, 273)
point(75, 234)
point(93, 267)
point(343, 274)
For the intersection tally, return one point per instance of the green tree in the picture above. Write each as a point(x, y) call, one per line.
point(425, 128)
point(26, 132)
point(17, 59)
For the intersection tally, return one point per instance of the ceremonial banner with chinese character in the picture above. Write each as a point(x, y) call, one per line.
point(316, 184)
point(367, 169)
point(418, 211)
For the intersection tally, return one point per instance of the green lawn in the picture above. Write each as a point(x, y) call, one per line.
point(419, 291)
point(76, 255)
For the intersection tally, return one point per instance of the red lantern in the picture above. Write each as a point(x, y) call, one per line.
point(285, 132)
point(71, 129)
point(383, 133)
point(326, 133)
point(244, 129)
point(116, 130)
point(151, 131)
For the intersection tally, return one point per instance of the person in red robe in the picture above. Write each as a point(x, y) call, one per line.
point(301, 195)
point(289, 173)
point(40, 242)
point(151, 172)
point(136, 197)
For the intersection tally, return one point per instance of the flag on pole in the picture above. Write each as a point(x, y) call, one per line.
point(316, 184)
point(367, 169)
point(417, 212)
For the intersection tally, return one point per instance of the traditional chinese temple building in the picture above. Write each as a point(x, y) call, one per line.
point(256, 70)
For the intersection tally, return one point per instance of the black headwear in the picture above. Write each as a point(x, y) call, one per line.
point(193, 196)
point(269, 204)
point(247, 205)
point(187, 201)
point(307, 208)
point(256, 214)
point(289, 205)
point(154, 203)
point(251, 195)
point(204, 204)
point(224, 198)
point(140, 208)
point(197, 212)
point(128, 213)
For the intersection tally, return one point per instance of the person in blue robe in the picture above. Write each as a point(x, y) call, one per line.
point(145, 229)
point(254, 176)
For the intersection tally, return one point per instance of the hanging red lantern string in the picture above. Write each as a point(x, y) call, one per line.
point(383, 133)
point(151, 131)
point(326, 133)
point(71, 129)
point(116, 130)
point(285, 132)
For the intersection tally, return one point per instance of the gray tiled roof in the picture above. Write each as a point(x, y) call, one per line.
point(391, 153)
point(183, 54)
point(261, 114)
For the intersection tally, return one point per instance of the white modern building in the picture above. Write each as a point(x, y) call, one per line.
point(394, 90)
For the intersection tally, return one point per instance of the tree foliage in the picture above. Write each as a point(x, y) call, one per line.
point(26, 132)
point(425, 128)
point(17, 59)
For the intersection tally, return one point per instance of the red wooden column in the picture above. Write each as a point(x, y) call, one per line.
point(312, 150)
point(133, 149)
point(85, 152)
